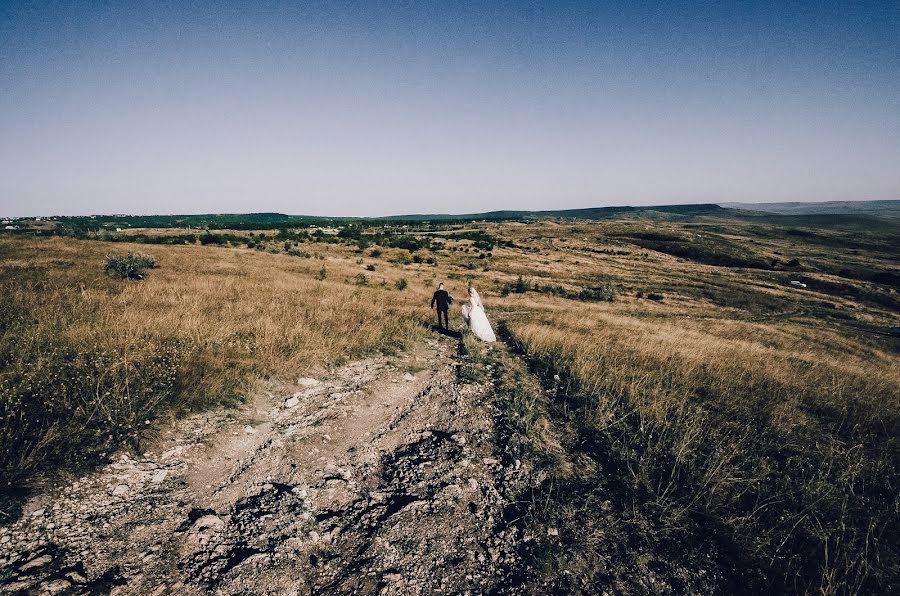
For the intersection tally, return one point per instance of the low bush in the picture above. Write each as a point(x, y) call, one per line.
point(130, 266)
point(605, 293)
point(211, 239)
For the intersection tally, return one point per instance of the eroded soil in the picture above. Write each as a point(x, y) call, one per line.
point(381, 476)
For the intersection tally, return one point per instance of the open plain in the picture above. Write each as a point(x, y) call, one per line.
point(679, 403)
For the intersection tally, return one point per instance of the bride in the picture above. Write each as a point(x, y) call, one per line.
point(475, 317)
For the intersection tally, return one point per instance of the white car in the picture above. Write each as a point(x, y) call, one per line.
point(798, 284)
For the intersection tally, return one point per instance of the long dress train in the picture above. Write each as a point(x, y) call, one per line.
point(474, 315)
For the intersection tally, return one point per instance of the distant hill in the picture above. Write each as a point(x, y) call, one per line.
point(890, 208)
point(827, 213)
point(589, 213)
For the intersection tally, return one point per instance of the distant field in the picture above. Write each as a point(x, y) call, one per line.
point(876, 208)
point(695, 401)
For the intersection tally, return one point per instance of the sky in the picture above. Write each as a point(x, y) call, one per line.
point(376, 108)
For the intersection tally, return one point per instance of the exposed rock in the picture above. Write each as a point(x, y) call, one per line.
point(56, 586)
point(209, 523)
point(36, 562)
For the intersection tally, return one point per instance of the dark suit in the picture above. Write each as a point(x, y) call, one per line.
point(442, 299)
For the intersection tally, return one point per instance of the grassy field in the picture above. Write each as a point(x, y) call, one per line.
point(674, 393)
point(89, 361)
point(732, 414)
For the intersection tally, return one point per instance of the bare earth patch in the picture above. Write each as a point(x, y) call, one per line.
point(381, 476)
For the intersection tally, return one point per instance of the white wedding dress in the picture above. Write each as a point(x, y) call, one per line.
point(474, 315)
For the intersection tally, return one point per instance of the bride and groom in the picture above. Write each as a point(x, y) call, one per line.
point(472, 312)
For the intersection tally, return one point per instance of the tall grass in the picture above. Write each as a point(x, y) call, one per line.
point(789, 455)
point(88, 361)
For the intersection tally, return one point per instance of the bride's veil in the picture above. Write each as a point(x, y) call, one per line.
point(475, 299)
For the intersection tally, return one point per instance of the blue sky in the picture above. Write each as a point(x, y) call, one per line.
point(373, 108)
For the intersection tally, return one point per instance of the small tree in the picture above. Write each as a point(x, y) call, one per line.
point(521, 286)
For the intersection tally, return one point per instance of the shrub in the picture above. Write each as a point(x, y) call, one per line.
point(370, 267)
point(654, 296)
point(521, 286)
point(400, 284)
point(375, 253)
point(605, 292)
point(361, 279)
point(209, 238)
point(403, 259)
point(322, 274)
point(131, 265)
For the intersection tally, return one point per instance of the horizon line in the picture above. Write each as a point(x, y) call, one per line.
point(724, 204)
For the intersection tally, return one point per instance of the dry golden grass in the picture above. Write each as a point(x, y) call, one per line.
point(792, 447)
point(766, 418)
point(78, 344)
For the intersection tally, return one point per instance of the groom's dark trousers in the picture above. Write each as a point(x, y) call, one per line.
point(446, 321)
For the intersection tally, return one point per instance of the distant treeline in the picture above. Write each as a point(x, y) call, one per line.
point(360, 235)
point(75, 226)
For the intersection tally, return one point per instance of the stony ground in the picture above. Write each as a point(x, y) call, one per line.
point(381, 476)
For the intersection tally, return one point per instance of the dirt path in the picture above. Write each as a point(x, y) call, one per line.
point(379, 477)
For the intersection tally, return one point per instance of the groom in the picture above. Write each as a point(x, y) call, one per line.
point(443, 301)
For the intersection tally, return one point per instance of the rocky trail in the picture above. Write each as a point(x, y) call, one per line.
point(381, 476)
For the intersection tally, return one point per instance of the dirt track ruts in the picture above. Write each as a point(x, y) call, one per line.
point(380, 476)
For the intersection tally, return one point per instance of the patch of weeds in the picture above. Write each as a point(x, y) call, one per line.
point(475, 359)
